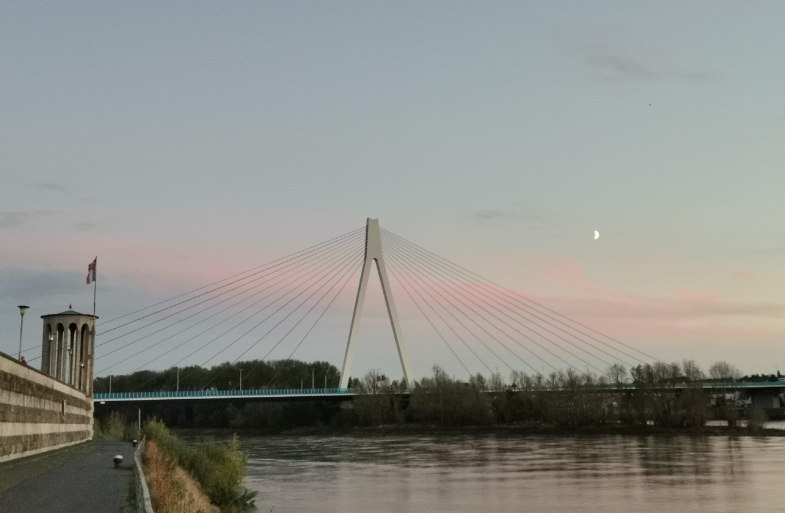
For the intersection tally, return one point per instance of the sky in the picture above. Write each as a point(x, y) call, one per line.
point(182, 142)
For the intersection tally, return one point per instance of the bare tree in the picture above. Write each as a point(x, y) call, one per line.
point(616, 373)
point(691, 370)
point(726, 401)
point(374, 405)
point(496, 382)
point(724, 370)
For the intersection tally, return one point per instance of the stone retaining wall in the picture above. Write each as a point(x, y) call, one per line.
point(39, 413)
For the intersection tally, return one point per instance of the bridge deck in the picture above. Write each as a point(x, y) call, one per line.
point(223, 394)
point(300, 393)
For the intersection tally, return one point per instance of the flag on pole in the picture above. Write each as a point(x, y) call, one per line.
point(91, 271)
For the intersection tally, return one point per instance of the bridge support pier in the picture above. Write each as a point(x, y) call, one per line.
point(373, 253)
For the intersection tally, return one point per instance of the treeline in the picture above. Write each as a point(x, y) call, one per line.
point(664, 395)
point(667, 395)
point(763, 377)
point(223, 413)
point(255, 374)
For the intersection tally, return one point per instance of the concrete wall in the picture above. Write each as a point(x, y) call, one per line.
point(39, 413)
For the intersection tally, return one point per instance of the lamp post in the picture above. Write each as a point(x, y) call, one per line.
point(22, 310)
point(51, 340)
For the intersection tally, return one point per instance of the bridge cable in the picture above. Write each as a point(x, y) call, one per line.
point(394, 257)
point(263, 267)
point(433, 326)
point(346, 268)
point(452, 278)
point(519, 299)
point(433, 298)
point(493, 337)
point(346, 256)
point(562, 338)
point(284, 281)
point(269, 316)
point(456, 279)
point(288, 358)
point(517, 296)
point(175, 313)
point(275, 312)
point(298, 268)
point(322, 248)
point(346, 276)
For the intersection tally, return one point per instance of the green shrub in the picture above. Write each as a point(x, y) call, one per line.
point(219, 467)
point(116, 426)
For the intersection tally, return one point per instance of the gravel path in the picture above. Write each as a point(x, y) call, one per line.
point(75, 480)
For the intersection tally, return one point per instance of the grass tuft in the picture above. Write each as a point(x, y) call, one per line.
point(172, 490)
point(219, 468)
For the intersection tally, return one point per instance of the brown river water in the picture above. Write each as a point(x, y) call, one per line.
point(516, 473)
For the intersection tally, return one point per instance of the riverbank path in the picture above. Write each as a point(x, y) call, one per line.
point(72, 480)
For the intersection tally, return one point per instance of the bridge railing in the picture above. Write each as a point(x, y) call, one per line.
point(713, 385)
point(206, 394)
point(301, 392)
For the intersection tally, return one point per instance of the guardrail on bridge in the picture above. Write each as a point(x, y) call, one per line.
point(221, 394)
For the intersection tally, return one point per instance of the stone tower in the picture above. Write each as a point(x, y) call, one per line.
point(68, 348)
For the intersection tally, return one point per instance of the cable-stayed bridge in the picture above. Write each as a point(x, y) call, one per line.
point(313, 300)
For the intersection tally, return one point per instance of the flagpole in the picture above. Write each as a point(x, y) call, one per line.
point(95, 283)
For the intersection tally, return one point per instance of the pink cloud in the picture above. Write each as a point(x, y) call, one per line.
point(144, 263)
point(682, 323)
point(568, 274)
point(741, 278)
point(584, 297)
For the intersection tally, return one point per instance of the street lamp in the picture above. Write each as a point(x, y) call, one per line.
point(50, 352)
point(22, 310)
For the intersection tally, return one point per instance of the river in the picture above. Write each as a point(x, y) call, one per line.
point(514, 473)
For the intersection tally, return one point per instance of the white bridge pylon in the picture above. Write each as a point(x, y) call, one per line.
point(373, 253)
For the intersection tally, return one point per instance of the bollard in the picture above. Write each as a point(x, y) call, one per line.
point(134, 442)
point(118, 459)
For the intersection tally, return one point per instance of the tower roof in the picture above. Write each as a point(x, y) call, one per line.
point(69, 313)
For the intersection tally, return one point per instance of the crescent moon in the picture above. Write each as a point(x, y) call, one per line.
point(596, 235)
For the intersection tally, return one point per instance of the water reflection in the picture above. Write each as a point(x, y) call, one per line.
point(514, 473)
